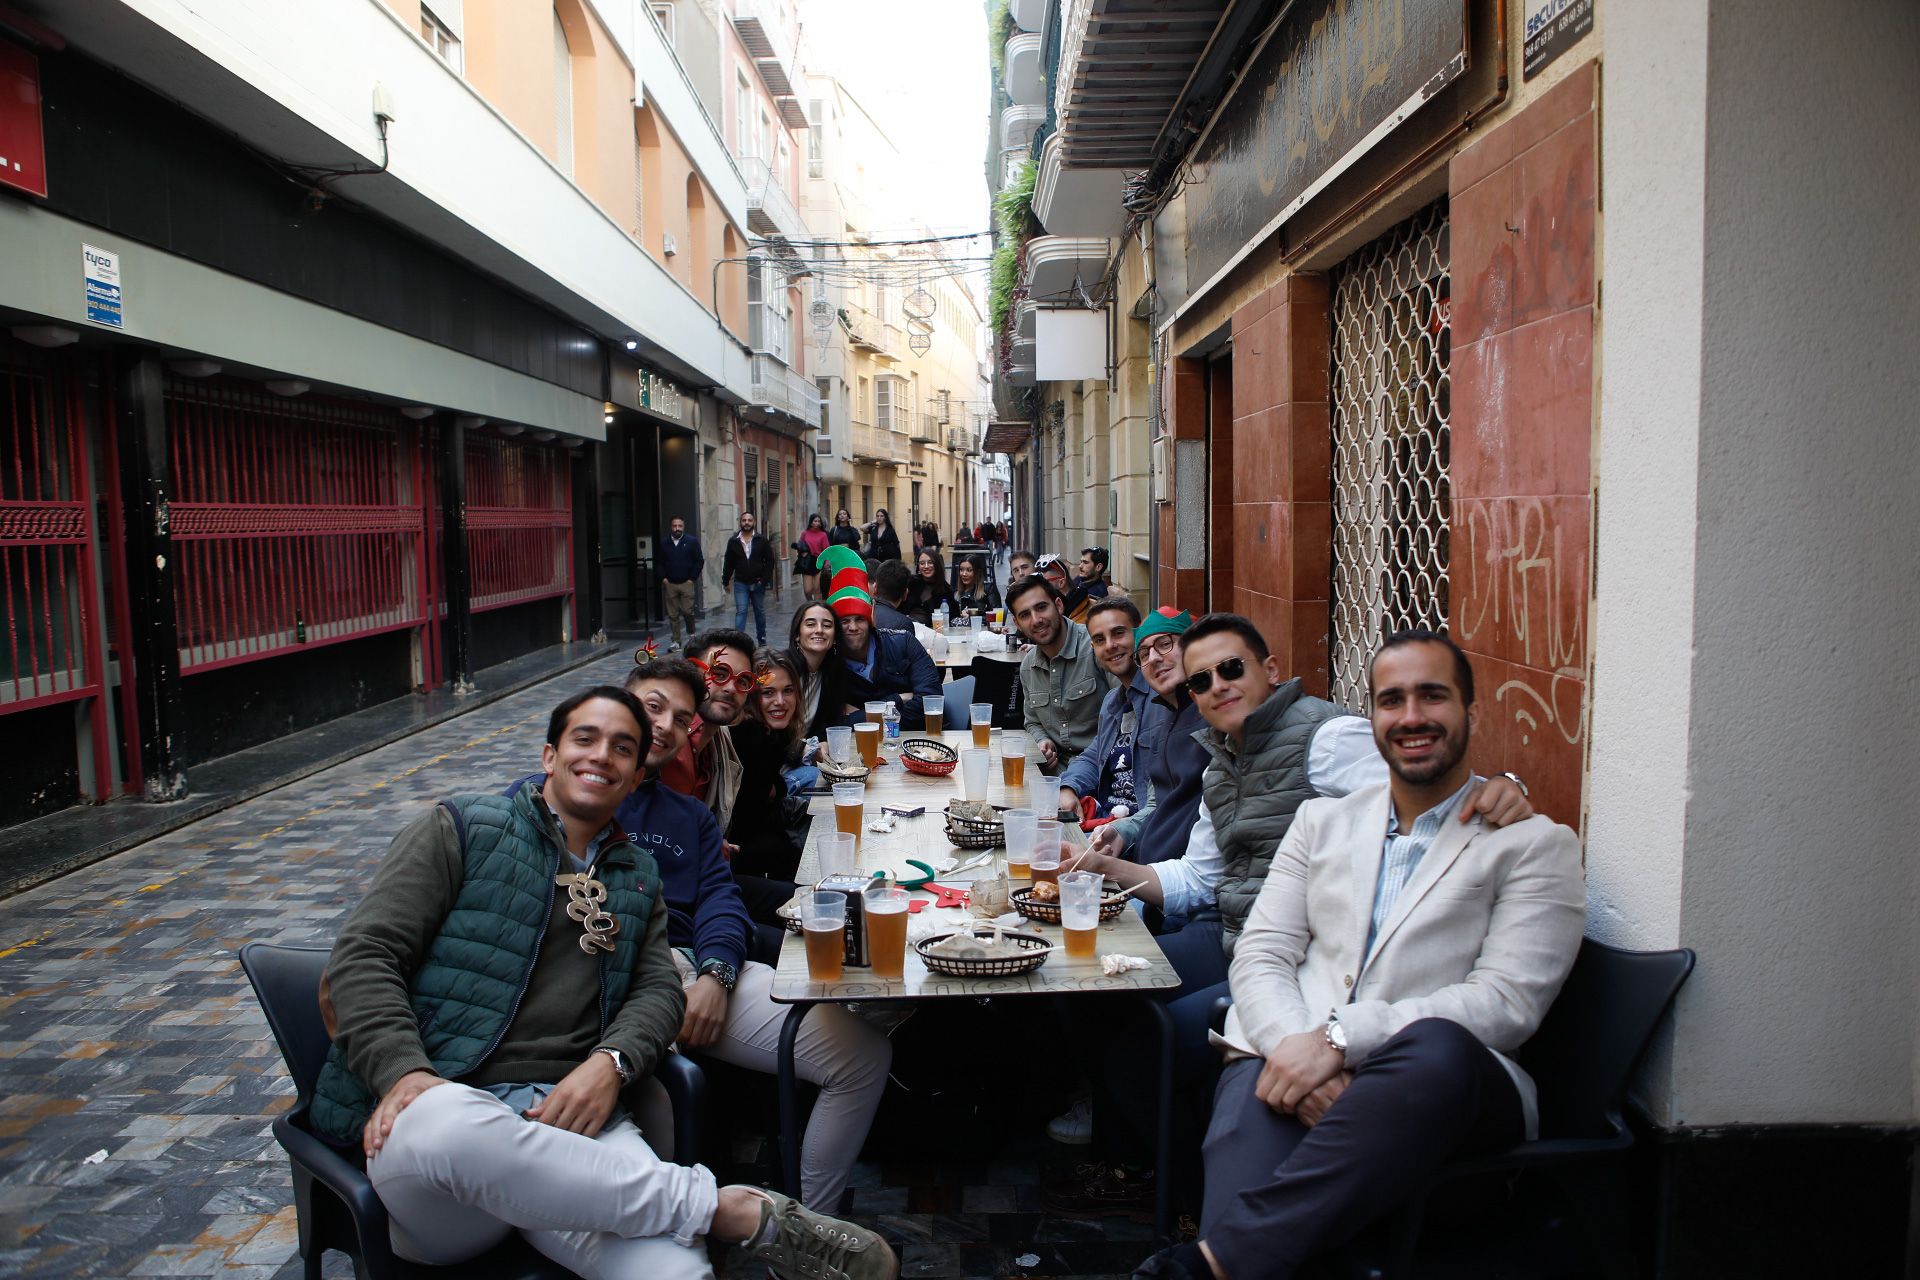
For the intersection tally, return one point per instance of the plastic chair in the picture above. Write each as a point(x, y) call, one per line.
point(997, 681)
point(335, 1202)
point(1582, 1059)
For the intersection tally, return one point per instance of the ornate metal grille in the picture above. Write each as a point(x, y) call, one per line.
point(1392, 502)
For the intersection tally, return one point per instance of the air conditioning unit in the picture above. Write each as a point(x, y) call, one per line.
point(668, 245)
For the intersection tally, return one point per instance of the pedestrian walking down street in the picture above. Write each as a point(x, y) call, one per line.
point(748, 567)
point(806, 555)
point(681, 561)
point(883, 540)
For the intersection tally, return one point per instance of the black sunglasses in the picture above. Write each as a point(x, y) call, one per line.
point(1201, 681)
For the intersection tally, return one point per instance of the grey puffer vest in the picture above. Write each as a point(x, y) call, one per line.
point(468, 989)
point(1252, 791)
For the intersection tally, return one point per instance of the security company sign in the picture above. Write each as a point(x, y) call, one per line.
point(1553, 27)
point(101, 270)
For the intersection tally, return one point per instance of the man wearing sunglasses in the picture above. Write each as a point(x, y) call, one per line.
point(1270, 747)
point(707, 767)
point(1059, 677)
point(1390, 962)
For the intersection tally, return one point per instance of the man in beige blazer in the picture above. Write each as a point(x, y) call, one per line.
point(1392, 963)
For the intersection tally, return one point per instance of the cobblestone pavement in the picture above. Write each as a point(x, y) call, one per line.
point(138, 1080)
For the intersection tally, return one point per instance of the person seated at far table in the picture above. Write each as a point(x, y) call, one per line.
point(1074, 598)
point(1131, 722)
point(1394, 958)
point(929, 589)
point(882, 665)
point(485, 1105)
point(972, 593)
point(1020, 567)
point(1062, 683)
point(1093, 577)
point(730, 1013)
point(1272, 745)
point(891, 583)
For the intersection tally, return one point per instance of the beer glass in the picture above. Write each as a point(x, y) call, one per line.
point(973, 773)
point(935, 707)
point(1045, 862)
point(823, 920)
point(981, 714)
point(1019, 826)
point(1080, 910)
point(887, 932)
point(839, 849)
point(1013, 760)
point(867, 735)
point(849, 807)
point(876, 712)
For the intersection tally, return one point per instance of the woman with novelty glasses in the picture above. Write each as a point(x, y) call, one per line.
point(769, 823)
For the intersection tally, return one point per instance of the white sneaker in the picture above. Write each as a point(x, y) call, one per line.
point(1074, 1126)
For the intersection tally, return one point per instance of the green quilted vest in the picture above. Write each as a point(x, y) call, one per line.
point(467, 991)
point(1252, 791)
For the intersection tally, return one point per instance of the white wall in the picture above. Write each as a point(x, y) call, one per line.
point(1795, 871)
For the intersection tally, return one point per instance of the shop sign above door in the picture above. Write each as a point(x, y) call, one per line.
point(1334, 80)
point(1553, 27)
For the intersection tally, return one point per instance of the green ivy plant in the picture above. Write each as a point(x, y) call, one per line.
point(1013, 224)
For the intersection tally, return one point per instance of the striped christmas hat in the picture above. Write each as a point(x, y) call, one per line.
point(851, 602)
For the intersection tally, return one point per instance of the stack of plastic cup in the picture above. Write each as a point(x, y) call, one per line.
point(974, 765)
point(840, 743)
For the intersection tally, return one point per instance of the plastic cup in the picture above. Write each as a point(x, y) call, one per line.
point(975, 625)
point(1019, 827)
point(839, 851)
point(840, 743)
point(1013, 761)
point(866, 736)
point(877, 712)
point(934, 707)
point(849, 812)
point(823, 920)
point(1080, 910)
point(887, 932)
point(974, 764)
point(981, 715)
point(1046, 850)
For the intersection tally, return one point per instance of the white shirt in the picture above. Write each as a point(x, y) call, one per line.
point(1341, 759)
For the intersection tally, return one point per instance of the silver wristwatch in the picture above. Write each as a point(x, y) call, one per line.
point(1336, 1034)
point(620, 1064)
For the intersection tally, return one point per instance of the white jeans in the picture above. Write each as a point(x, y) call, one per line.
point(461, 1169)
point(845, 1056)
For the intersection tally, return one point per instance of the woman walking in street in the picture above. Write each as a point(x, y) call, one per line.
point(806, 554)
point(883, 540)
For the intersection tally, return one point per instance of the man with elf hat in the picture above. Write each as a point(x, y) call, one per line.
point(880, 664)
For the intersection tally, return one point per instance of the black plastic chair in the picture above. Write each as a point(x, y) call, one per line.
point(335, 1202)
point(1582, 1060)
point(997, 681)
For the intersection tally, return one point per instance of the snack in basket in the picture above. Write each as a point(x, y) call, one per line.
point(1044, 891)
point(991, 897)
point(962, 946)
point(974, 811)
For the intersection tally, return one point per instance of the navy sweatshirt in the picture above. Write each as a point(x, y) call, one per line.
point(682, 563)
point(1176, 771)
point(705, 912)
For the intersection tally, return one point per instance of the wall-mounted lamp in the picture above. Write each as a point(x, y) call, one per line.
point(469, 423)
point(287, 386)
point(418, 412)
point(195, 368)
point(632, 344)
point(46, 335)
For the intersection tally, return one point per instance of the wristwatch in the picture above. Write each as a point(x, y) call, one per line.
point(722, 972)
point(620, 1064)
point(1514, 778)
point(1336, 1034)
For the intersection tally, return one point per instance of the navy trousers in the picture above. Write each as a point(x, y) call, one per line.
point(1278, 1192)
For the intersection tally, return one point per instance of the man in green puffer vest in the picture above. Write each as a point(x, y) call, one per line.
point(505, 979)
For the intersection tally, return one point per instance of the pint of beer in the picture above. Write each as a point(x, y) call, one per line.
point(866, 735)
point(935, 709)
point(849, 807)
point(823, 919)
point(1080, 910)
point(887, 932)
point(1013, 760)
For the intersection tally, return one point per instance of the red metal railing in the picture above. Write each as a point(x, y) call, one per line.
point(51, 651)
point(295, 523)
point(519, 522)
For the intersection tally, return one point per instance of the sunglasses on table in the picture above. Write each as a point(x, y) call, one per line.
point(1230, 670)
point(719, 675)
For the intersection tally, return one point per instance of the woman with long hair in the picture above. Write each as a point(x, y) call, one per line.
point(883, 540)
point(769, 826)
point(806, 554)
point(814, 638)
point(929, 590)
point(972, 593)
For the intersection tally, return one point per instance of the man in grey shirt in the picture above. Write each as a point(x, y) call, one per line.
point(1061, 680)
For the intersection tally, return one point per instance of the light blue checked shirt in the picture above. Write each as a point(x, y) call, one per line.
point(1401, 856)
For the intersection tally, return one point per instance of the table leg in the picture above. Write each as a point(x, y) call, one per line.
point(1163, 1126)
point(790, 1136)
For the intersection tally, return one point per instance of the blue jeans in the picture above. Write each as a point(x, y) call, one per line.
point(754, 593)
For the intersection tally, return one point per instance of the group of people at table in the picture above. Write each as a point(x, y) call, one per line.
point(1390, 927)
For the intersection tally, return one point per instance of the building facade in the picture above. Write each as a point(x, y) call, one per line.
point(1456, 314)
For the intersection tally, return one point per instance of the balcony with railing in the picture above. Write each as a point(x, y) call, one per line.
point(1123, 67)
point(778, 389)
point(770, 210)
point(926, 428)
point(757, 23)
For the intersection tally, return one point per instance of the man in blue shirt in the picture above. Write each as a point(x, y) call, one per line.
point(681, 561)
point(887, 665)
point(1132, 722)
